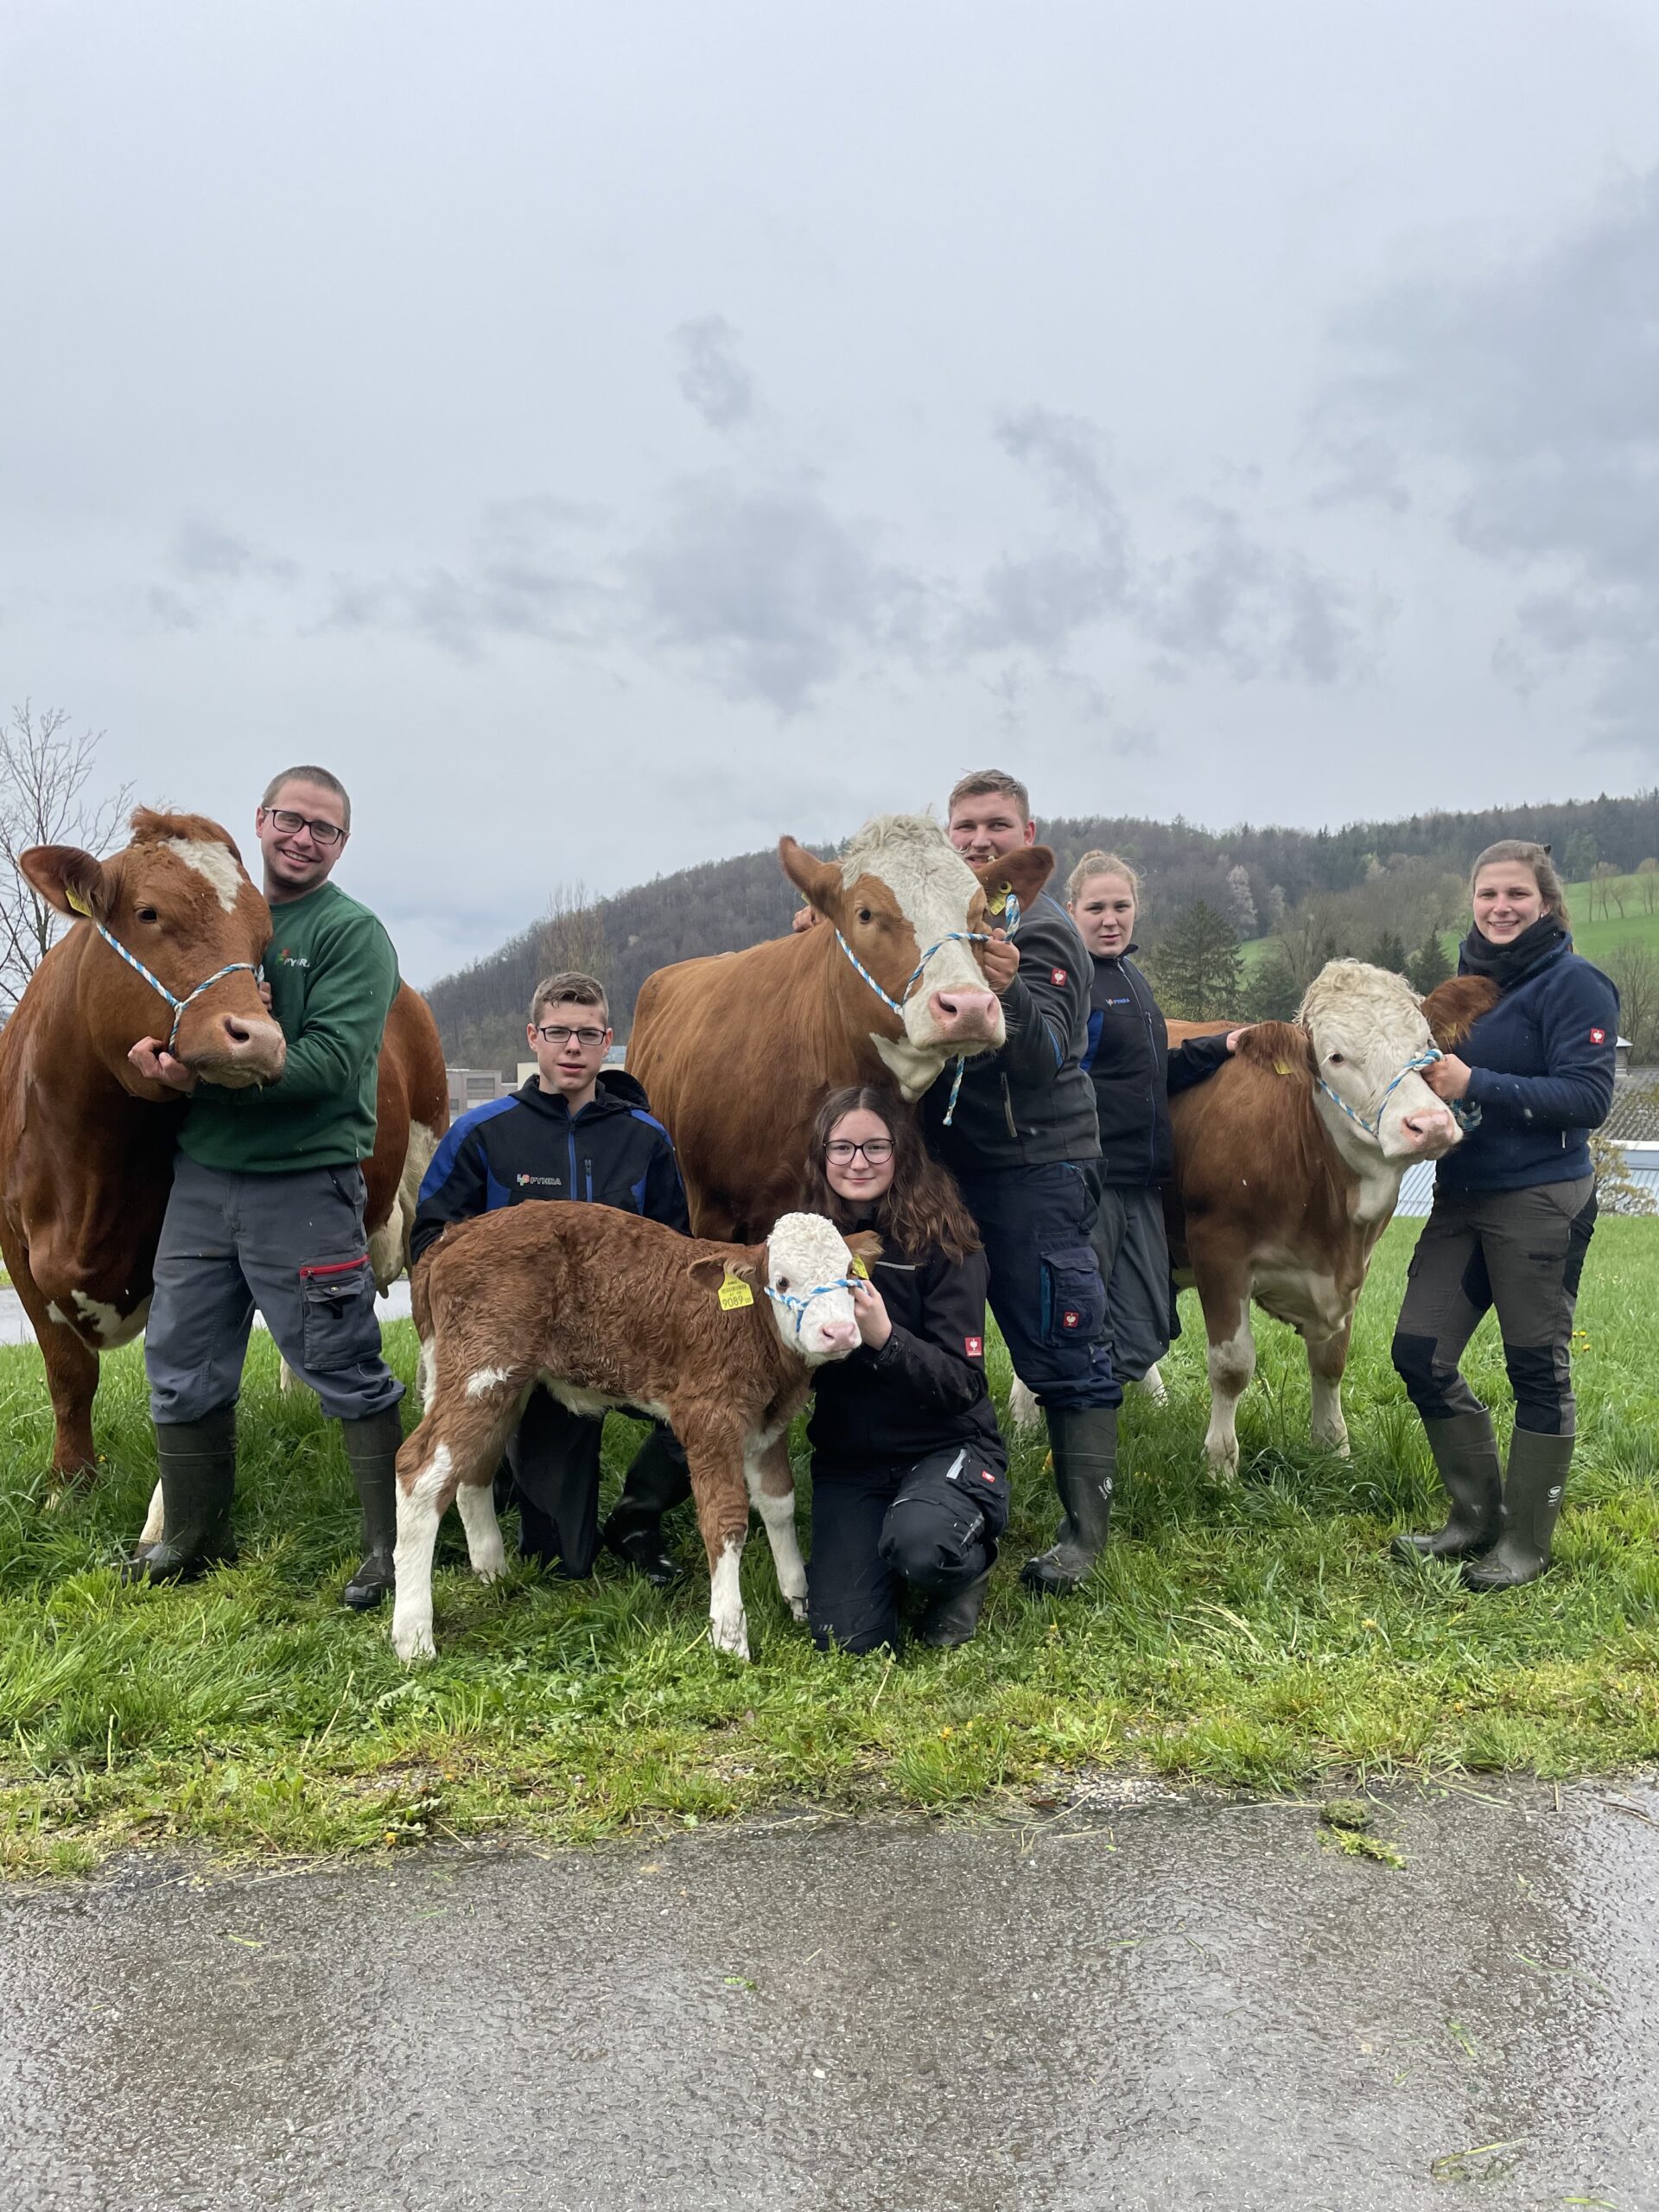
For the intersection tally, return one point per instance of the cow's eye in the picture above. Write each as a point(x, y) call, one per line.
point(865, 915)
point(1336, 1060)
point(783, 1282)
point(148, 914)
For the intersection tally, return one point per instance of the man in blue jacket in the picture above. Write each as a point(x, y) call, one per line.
point(576, 1129)
point(1024, 1144)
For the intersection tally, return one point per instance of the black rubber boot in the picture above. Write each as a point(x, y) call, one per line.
point(658, 1481)
point(944, 1623)
point(1465, 1455)
point(197, 1460)
point(371, 1453)
point(1532, 1502)
point(1084, 1440)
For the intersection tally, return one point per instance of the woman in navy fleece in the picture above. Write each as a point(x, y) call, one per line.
point(1514, 1209)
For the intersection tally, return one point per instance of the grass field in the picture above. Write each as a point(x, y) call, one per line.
point(1254, 1635)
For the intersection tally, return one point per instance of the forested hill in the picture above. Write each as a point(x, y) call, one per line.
point(1253, 874)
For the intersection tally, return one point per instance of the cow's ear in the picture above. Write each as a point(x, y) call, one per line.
point(1024, 871)
point(67, 879)
point(818, 881)
point(1284, 1047)
point(864, 1244)
point(1452, 1007)
point(709, 1272)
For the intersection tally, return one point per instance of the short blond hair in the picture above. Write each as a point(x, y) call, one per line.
point(569, 986)
point(987, 783)
point(324, 778)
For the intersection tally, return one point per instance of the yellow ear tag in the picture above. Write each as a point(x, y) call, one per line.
point(1283, 1067)
point(733, 1293)
point(78, 902)
point(859, 1268)
point(998, 905)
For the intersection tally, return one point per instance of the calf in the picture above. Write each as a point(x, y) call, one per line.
point(1287, 1170)
point(608, 1310)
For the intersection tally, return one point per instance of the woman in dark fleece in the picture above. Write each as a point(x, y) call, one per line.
point(1515, 1207)
point(910, 1486)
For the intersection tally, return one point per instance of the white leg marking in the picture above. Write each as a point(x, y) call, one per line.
point(778, 1516)
point(426, 1371)
point(728, 1628)
point(1152, 1384)
point(1232, 1362)
point(1330, 1430)
point(1023, 1409)
point(476, 1505)
point(418, 1534)
point(154, 1526)
point(485, 1380)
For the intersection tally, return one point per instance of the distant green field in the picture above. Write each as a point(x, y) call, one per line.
point(1595, 938)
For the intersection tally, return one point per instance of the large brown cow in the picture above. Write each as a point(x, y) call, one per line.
point(1287, 1170)
point(86, 1143)
point(736, 1053)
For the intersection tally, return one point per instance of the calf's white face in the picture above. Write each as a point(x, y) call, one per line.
point(1366, 1027)
point(807, 1261)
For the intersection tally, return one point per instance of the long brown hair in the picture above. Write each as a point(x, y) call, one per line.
point(921, 1206)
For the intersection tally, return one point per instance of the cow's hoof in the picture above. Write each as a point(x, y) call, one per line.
point(1024, 1411)
point(731, 1635)
point(413, 1644)
point(796, 1608)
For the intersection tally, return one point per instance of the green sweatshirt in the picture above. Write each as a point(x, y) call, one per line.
point(332, 974)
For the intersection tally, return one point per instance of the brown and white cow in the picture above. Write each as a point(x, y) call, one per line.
point(737, 1052)
point(608, 1309)
point(86, 1143)
point(1287, 1169)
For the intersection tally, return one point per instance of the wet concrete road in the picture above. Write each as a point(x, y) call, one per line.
point(1173, 2004)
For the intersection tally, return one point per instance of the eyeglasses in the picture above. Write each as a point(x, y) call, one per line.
point(290, 824)
point(843, 1152)
point(554, 1032)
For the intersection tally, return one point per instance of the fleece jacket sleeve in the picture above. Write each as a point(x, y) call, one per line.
point(1046, 1007)
point(346, 1011)
point(936, 1362)
point(1579, 1027)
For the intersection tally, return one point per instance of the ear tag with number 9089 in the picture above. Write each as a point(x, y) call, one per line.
point(733, 1293)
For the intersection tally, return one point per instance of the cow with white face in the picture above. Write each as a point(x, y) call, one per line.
point(1287, 1170)
point(606, 1309)
point(737, 1052)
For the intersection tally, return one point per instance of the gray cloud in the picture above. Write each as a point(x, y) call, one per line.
point(771, 590)
point(714, 382)
point(1539, 383)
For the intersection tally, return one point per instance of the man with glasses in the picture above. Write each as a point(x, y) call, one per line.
point(267, 1204)
point(576, 1129)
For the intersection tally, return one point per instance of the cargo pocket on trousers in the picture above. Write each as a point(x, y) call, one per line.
point(1074, 1298)
point(339, 1325)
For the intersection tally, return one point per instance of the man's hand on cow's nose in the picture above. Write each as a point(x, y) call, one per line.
point(1000, 961)
point(153, 1060)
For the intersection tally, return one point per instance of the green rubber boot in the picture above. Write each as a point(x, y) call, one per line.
point(1465, 1455)
point(1084, 1443)
point(197, 1462)
point(371, 1453)
point(1532, 1504)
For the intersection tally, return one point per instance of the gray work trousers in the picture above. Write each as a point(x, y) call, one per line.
point(295, 1245)
point(1521, 1251)
point(1134, 1255)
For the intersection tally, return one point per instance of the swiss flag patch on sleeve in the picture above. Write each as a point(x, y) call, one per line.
point(1057, 977)
point(1598, 1036)
point(974, 1346)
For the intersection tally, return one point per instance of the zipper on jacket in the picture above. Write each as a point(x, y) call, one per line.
point(570, 1139)
point(588, 1175)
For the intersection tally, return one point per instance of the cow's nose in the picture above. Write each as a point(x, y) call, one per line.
point(840, 1336)
point(964, 1013)
point(1434, 1125)
point(251, 1042)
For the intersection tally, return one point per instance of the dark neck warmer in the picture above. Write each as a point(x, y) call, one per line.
point(1507, 963)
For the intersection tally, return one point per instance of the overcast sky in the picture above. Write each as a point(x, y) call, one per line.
point(611, 436)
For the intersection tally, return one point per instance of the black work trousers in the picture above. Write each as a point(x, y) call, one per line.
point(928, 1525)
point(1520, 1252)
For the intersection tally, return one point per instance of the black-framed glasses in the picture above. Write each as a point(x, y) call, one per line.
point(554, 1032)
point(841, 1151)
point(290, 824)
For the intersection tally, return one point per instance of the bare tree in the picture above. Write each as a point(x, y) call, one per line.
point(1635, 970)
point(44, 770)
point(572, 932)
point(1647, 880)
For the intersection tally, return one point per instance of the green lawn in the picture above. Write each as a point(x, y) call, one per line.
point(1256, 1635)
point(1591, 936)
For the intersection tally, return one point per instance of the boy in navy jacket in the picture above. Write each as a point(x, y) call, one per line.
point(576, 1129)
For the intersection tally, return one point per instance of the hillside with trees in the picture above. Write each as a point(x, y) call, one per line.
point(1383, 891)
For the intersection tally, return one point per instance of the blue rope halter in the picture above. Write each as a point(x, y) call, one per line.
point(1464, 1117)
point(799, 1304)
point(231, 967)
point(897, 1005)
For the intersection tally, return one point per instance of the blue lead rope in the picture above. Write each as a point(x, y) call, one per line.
point(897, 1005)
point(798, 1305)
point(1467, 1117)
point(231, 967)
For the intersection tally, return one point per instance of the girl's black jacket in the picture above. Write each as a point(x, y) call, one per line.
point(1134, 1073)
point(926, 1388)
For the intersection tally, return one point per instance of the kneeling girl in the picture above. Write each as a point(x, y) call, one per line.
point(910, 1487)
